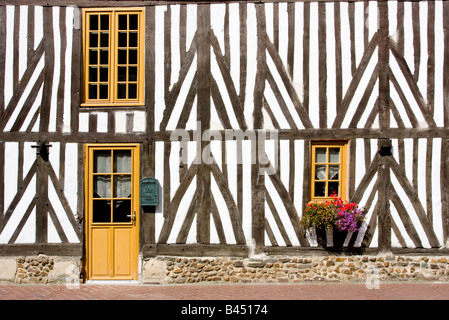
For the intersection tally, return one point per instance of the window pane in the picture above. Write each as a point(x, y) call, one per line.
point(334, 172)
point(123, 39)
point(320, 189)
point(104, 92)
point(132, 74)
point(122, 56)
point(104, 40)
point(133, 42)
point(121, 91)
point(122, 186)
point(334, 155)
point(102, 161)
point(93, 22)
point(122, 22)
point(93, 41)
point(102, 186)
point(121, 73)
point(92, 91)
point(101, 211)
point(320, 155)
point(104, 74)
point(122, 208)
point(132, 91)
point(333, 188)
point(93, 74)
point(104, 56)
point(122, 161)
point(93, 57)
point(104, 22)
point(133, 21)
point(132, 56)
point(320, 172)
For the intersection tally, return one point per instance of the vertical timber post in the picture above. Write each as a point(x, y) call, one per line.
point(147, 217)
point(384, 217)
point(257, 179)
point(42, 203)
point(445, 142)
point(203, 116)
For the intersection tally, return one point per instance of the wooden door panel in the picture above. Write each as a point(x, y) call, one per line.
point(123, 252)
point(100, 253)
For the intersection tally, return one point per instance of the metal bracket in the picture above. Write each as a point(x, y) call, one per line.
point(42, 149)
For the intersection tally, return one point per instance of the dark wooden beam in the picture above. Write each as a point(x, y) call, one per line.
point(257, 179)
point(137, 3)
point(284, 134)
point(42, 203)
point(195, 250)
point(48, 70)
point(203, 115)
point(56, 249)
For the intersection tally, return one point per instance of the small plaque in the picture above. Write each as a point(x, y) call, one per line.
point(149, 192)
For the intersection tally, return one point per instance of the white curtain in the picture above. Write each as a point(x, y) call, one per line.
point(122, 186)
point(122, 161)
point(320, 172)
point(122, 164)
point(122, 183)
point(102, 164)
point(333, 172)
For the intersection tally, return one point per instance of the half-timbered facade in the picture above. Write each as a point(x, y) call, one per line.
point(223, 103)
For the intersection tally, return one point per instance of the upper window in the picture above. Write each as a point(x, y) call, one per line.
point(328, 174)
point(113, 42)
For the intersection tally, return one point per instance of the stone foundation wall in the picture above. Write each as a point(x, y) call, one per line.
point(268, 269)
point(295, 269)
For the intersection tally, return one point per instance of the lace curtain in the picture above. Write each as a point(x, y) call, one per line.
point(121, 164)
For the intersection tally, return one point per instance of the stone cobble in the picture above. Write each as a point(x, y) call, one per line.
point(304, 269)
point(33, 269)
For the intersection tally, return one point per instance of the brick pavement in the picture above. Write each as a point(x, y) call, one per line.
point(213, 291)
point(217, 300)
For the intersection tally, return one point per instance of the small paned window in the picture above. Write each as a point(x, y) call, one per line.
point(113, 57)
point(328, 170)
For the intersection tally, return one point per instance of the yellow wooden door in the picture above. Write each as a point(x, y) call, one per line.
point(112, 211)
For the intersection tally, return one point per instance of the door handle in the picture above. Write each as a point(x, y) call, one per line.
point(133, 217)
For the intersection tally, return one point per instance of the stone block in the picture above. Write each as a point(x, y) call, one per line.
point(8, 267)
point(154, 271)
point(256, 264)
point(64, 270)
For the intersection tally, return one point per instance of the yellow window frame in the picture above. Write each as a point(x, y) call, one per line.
point(113, 63)
point(342, 175)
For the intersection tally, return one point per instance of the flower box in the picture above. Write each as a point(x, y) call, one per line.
point(334, 214)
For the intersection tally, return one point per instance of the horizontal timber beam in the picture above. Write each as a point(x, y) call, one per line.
point(195, 250)
point(319, 251)
point(137, 3)
point(54, 249)
point(305, 134)
point(221, 250)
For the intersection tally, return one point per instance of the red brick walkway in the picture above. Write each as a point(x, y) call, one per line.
point(337, 291)
point(224, 301)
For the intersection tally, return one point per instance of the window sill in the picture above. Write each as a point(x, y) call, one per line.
point(115, 104)
point(109, 107)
